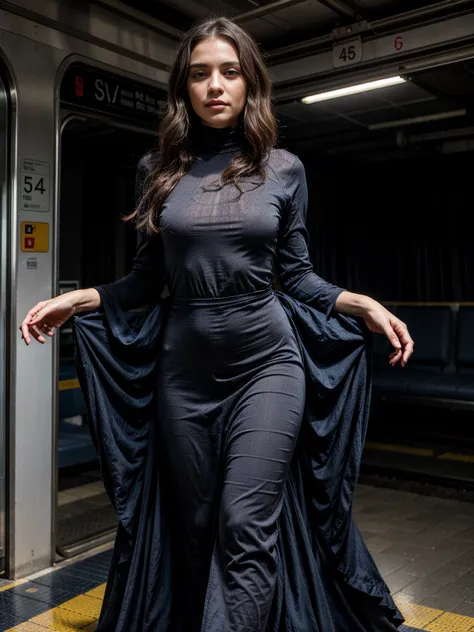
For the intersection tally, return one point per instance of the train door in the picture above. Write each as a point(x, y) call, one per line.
point(99, 152)
point(4, 137)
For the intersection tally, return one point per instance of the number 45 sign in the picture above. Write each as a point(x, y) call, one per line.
point(347, 53)
point(34, 185)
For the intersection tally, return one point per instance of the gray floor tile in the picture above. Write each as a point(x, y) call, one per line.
point(423, 546)
point(402, 595)
point(466, 560)
point(447, 598)
point(405, 548)
point(448, 573)
point(424, 587)
point(467, 535)
point(425, 565)
point(388, 563)
point(398, 580)
point(378, 544)
point(435, 534)
point(465, 608)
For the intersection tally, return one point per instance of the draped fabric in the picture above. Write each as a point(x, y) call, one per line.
point(326, 578)
point(229, 418)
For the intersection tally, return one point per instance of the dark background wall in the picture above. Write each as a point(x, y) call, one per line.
point(399, 230)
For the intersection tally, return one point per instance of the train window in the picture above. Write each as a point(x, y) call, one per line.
point(98, 164)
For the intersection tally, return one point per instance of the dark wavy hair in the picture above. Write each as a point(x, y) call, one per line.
point(178, 128)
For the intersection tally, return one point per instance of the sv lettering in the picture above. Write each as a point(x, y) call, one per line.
point(103, 92)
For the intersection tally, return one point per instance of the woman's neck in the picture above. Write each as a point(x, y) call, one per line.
point(218, 140)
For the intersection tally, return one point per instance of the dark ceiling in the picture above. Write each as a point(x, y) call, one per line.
point(281, 22)
point(433, 109)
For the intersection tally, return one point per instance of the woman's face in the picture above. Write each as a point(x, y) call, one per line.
point(216, 87)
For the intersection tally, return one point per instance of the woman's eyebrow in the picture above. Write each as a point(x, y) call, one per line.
point(225, 63)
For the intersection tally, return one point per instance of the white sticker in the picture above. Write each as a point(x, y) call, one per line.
point(347, 53)
point(32, 263)
point(34, 185)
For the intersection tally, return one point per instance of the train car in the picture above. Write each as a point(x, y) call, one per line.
point(366, 96)
point(80, 91)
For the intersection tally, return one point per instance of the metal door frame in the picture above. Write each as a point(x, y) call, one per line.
point(67, 114)
point(7, 317)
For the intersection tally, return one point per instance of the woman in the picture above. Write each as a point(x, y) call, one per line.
point(228, 522)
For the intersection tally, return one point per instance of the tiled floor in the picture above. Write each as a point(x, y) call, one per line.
point(423, 546)
point(84, 510)
point(67, 599)
point(78, 493)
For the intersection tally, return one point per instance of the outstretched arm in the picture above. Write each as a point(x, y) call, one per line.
point(301, 282)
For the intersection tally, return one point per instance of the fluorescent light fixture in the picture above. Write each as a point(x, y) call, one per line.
point(361, 87)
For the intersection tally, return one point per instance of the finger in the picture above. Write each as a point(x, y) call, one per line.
point(396, 358)
point(37, 335)
point(26, 338)
point(402, 331)
point(406, 340)
point(46, 329)
point(33, 311)
point(27, 321)
point(25, 334)
point(392, 336)
point(41, 315)
point(408, 352)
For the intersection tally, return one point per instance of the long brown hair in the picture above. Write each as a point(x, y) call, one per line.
point(177, 130)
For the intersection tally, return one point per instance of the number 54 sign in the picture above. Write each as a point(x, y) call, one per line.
point(34, 185)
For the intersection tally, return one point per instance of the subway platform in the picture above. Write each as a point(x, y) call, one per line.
point(424, 547)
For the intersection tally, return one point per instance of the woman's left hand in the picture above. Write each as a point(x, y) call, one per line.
point(380, 321)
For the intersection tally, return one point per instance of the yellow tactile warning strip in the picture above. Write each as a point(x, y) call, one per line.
point(449, 622)
point(433, 620)
point(80, 613)
point(19, 582)
point(453, 456)
point(54, 600)
point(98, 592)
point(406, 449)
point(28, 627)
point(419, 616)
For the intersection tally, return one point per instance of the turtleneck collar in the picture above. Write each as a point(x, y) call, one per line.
point(222, 140)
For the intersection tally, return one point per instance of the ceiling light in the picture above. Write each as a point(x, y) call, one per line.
point(361, 87)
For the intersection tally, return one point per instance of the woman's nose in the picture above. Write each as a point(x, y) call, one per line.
point(215, 82)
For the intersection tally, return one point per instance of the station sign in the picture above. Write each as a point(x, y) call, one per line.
point(108, 93)
point(34, 182)
point(347, 53)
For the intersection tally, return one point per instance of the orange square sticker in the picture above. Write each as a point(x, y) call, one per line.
point(34, 237)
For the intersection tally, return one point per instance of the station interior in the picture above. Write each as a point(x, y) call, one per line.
point(390, 208)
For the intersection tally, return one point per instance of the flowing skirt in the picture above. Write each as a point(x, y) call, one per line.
point(229, 433)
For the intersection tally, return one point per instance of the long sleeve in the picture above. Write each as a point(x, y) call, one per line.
point(146, 280)
point(293, 264)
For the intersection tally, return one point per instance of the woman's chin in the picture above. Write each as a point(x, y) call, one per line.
point(219, 119)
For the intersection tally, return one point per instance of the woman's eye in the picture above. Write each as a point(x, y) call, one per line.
point(232, 73)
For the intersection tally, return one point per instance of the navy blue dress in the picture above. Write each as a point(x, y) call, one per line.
point(229, 417)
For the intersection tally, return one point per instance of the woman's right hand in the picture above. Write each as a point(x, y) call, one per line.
point(52, 314)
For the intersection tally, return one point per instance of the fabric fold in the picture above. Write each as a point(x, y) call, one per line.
point(326, 579)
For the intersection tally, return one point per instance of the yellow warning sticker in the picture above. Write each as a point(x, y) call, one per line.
point(67, 385)
point(34, 237)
